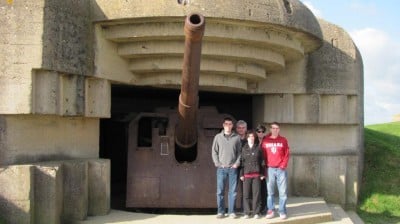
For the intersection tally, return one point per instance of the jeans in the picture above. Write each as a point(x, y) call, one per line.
point(224, 174)
point(278, 176)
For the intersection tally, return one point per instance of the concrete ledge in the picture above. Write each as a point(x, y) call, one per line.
point(300, 210)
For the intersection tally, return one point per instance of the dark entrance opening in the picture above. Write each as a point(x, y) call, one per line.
point(127, 102)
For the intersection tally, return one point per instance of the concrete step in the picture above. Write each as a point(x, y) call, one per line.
point(301, 210)
point(341, 216)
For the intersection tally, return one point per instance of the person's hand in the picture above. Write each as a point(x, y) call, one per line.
point(242, 178)
point(234, 166)
point(262, 177)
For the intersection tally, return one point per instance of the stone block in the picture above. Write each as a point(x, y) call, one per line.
point(306, 108)
point(75, 192)
point(97, 98)
point(278, 107)
point(99, 186)
point(16, 194)
point(48, 193)
point(353, 180)
point(306, 174)
point(333, 178)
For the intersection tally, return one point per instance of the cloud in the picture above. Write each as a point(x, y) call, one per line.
point(381, 58)
point(366, 8)
point(314, 10)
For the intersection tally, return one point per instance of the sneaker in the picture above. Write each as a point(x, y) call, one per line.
point(246, 216)
point(256, 216)
point(220, 216)
point(282, 216)
point(270, 214)
point(233, 215)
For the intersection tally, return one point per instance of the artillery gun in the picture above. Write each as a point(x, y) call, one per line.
point(169, 150)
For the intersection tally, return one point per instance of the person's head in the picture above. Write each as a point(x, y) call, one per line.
point(260, 130)
point(274, 129)
point(228, 125)
point(241, 128)
point(251, 137)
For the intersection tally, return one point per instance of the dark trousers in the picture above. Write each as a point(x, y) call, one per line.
point(252, 195)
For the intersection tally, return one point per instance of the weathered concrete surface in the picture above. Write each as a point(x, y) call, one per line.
point(75, 190)
point(48, 184)
point(99, 186)
point(54, 192)
point(17, 194)
point(51, 35)
point(34, 138)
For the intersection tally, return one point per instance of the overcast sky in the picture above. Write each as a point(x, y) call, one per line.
point(375, 28)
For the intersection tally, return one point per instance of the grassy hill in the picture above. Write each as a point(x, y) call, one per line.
point(380, 188)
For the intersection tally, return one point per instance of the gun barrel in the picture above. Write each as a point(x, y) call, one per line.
point(186, 132)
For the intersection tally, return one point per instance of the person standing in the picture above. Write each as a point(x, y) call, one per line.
point(276, 155)
point(241, 129)
point(260, 130)
point(226, 150)
point(251, 174)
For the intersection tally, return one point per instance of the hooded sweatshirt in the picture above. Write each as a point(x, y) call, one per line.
point(276, 151)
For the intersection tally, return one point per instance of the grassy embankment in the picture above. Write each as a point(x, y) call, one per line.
point(380, 188)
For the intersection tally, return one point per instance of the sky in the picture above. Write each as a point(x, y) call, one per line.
point(374, 26)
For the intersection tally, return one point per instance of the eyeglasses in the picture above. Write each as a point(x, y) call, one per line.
point(260, 132)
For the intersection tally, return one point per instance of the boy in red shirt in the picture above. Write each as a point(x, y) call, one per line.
point(276, 155)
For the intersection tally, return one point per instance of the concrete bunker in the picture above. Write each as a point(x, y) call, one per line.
point(59, 79)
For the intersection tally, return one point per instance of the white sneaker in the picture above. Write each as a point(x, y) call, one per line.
point(220, 216)
point(282, 216)
point(256, 216)
point(233, 215)
point(270, 214)
point(246, 216)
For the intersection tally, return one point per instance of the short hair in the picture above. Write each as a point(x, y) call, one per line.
point(261, 127)
point(274, 123)
point(228, 119)
point(241, 122)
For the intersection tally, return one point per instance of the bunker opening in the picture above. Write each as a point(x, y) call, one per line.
point(139, 139)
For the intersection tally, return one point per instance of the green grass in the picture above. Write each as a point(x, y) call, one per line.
point(380, 187)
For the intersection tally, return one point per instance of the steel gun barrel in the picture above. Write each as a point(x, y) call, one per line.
point(186, 130)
